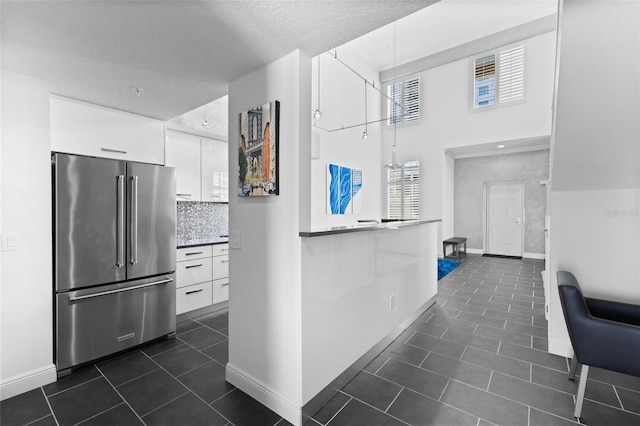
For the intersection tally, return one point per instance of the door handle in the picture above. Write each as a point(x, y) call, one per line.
point(194, 266)
point(120, 231)
point(134, 220)
point(518, 221)
point(121, 290)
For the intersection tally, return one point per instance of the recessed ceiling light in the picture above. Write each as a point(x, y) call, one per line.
point(138, 90)
point(500, 146)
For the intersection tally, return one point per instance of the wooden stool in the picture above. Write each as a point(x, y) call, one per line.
point(455, 242)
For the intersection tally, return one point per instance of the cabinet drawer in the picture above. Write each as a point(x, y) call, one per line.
point(220, 249)
point(220, 290)
point(220, 267)
point(191, 253)
point(193, 271)
point(193, 297)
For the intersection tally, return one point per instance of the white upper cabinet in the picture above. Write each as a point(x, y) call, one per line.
point(215, 170)
point(201, 167)
point(86, 129)
point(183, 153)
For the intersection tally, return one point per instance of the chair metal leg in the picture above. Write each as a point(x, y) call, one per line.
point(573, 367)
point(581, 388)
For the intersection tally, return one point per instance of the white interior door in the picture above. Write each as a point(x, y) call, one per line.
point(505, 218)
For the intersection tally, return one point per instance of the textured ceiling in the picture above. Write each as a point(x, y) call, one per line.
point(181, 53)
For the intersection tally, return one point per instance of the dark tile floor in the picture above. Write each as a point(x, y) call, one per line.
point(177, 382)
point(477, 357)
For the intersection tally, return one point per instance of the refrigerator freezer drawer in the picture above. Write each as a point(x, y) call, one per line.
point(103, 320)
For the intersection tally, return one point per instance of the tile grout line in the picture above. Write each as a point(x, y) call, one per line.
point(120, 395)
point(53, 414)
point(188, 390)
point(72, 387)
point(394, 400)
point(100, 413)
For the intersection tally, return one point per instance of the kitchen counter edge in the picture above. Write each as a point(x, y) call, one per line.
point(367, 227)
point(186, 244)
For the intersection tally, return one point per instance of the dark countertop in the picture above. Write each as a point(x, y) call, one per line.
point(202, 242)
point(366, 226)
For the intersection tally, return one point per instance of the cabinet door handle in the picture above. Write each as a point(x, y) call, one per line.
point(183, 195)
point(224, 285)
point(117, 151)
point(193, 266)
point(224, 249)
point(193, 291)
point(224, 261)
point(195, 252)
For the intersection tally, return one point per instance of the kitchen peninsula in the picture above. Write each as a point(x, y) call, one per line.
point(361, 286)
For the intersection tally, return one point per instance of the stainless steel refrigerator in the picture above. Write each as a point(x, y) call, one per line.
point(114, 256)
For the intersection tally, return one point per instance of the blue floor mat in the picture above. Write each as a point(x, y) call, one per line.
point(445, 266)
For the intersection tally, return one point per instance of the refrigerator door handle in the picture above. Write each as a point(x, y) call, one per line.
point(120, 225)
point(134, 220)
point(105, 293)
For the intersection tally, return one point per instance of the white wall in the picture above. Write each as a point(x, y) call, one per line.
point(342, 104)
point(265, 273)
point(595, 174)
point(448, 122)
point(448, 204)
point(26, 288)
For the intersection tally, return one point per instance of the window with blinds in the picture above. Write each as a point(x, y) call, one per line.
point(403, 101)
point(498, 78)
point(403, 191)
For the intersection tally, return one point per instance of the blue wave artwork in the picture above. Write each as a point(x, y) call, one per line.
point(345, 188)
point(334, 188)
point(343, 185)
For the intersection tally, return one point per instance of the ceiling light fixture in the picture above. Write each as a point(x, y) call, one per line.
point(205, 123)
point(500, 146)
point(317, 114)
point(138, 90)
point(364, 134)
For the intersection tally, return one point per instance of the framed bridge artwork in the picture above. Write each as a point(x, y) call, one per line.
point(258, 143)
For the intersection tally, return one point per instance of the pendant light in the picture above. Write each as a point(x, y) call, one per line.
point(205, 123)
point(317, 114)
point(364, 134)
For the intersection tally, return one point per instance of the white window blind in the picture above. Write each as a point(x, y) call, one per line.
point(498, 77)
point(511, 86)
point(403, 191)
point(403, 103)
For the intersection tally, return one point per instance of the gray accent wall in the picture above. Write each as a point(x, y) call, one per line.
point(469, 177)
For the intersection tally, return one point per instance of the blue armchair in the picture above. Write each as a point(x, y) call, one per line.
point(604, 334)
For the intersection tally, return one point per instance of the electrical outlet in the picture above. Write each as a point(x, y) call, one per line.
point(392, 302)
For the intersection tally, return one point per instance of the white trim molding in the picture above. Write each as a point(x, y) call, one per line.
point(27, 381)
point(264, 394)
point(533, 255)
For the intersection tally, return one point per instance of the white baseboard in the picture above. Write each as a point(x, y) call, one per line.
point(264, 394)
point(533, 255)
point(475, 251)
point(25, 382)
point(560, 348)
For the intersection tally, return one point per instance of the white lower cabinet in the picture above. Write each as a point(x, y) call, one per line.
point(193, 297)
point(202, 277)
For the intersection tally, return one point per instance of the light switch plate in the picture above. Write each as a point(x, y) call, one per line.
point(235, 240)
point(10, 242)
